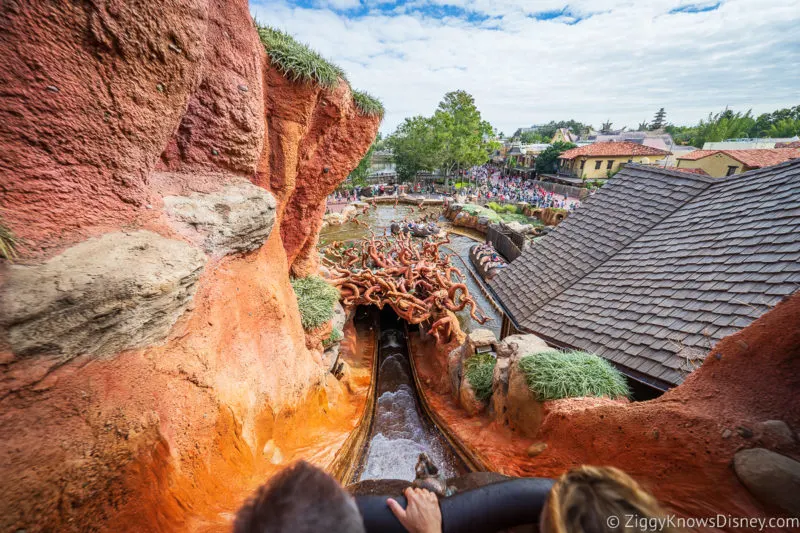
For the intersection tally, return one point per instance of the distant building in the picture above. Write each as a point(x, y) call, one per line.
point(564, 135)
point(597, 160)
point(720, 163)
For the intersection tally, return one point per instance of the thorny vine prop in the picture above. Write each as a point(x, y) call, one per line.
point(410, 275)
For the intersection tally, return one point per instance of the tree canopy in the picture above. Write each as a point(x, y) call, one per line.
point(455, 137)
point(547, 161)
point(728, 124)
point(358, 177)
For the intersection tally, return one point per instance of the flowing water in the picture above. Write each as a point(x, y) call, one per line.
point(401, 430)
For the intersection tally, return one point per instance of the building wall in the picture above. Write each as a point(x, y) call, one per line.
point(715, 165)
point(590, 172)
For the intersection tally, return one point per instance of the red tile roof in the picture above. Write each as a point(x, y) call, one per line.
point(697, 154)
point(612, 149)
point(698, 171)
point(755, 158)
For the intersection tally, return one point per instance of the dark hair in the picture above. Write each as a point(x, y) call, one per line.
point(300, 499)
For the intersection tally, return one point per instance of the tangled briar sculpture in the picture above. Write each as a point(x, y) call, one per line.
point(417, 281)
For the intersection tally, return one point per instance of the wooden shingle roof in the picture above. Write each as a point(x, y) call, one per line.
point(659, 265)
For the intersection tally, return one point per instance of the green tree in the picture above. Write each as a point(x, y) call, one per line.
point(462, 138)
point(358, 177)
point(723, 125)
point(532, 137)
point(658, 120)
point(548, 130)
point(414, 147)
point(547, 161)
point(787, 127)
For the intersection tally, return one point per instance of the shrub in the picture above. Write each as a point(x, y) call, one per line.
point(494, 206)
point(553, 375)
point(8, 242)
point(368, 104)
point(479, 370)
point(296, 60)
point(511, 209)
point(335, 336)
point(315, 298)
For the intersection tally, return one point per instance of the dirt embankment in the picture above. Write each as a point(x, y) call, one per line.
point(110, 109)
point(681, 445)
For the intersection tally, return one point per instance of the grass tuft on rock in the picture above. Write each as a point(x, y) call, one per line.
point(335, 336)
point(8, 242)
point(553, 375)
point(315, 298)
point(368, 104)
point(479, 370)
point(297, 61)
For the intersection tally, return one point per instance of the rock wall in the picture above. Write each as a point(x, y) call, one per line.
point(164, 179)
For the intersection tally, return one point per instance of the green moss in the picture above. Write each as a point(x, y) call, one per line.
point(553, 375)
point(296, 60)
point(335, 336)
point(315, 298)
point(368, 104)
point(479, 371)
point(8, 242)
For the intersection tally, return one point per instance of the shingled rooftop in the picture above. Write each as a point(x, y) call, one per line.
point(659, 265)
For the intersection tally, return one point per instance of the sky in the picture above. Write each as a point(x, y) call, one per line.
point(531, 61)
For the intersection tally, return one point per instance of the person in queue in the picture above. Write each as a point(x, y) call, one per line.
point(304, 499)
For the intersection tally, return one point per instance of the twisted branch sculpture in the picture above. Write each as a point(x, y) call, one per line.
point(410, 275)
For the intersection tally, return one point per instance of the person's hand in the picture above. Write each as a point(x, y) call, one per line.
point(422, 515)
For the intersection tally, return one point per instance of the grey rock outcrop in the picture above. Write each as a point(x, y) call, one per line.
point(111, 293)
point(237, 218)
point(771, 477)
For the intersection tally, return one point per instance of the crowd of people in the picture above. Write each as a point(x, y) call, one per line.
point(491, 185)
point(485, 182)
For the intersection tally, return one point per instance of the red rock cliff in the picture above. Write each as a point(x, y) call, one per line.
point(165, 180)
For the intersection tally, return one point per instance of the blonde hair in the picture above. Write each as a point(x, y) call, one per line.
point(586, 498)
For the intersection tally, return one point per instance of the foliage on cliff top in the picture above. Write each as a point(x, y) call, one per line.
point(368, 104)
point(479, 370)
point(553, 375)
point(297, 61)
point(315, 298)
point(8, 242)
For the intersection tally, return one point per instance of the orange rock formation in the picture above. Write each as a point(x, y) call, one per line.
point(109, 108)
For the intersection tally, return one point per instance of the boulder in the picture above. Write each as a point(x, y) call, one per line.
point(455, 364)
point(772, 478)
point(331, 356)
point(108, 294)
point(516, 346)
point(776, 433)
point(500, 389)
point(237, 218)
point(479, 338)
point(523, 411)
point(339, 317)
point(467, 399)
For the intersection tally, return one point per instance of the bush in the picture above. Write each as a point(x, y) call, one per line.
point(335, 336)
point(479, 370)
point(494, 206)
point(553, 375)
point(368, 104)
point(511, 209)
point(296, 60)
point(315, 298)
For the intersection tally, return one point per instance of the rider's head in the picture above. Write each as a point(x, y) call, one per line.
point(300, 499)
point(598, 500)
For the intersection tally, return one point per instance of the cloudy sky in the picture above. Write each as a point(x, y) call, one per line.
point(532, 61)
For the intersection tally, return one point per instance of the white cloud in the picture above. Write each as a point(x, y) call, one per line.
point(622, 63)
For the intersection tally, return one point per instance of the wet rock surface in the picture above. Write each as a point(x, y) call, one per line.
point(237, 218)
point(102, 296)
